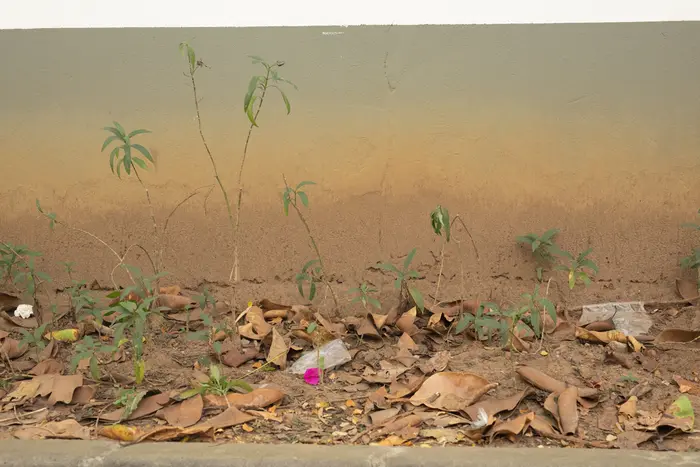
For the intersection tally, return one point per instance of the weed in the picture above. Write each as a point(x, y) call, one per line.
point(252, 105)
point(193, 65)
point(529, 312)
point(691, 261)
point(129, 399)
point(543, 249)
point(628, 378)
point(292, 197)
point(577, 268)
point(208, 335)
point(485, 324)
point(219, 385)
point(89, 348)
point(363, 296)
point(34, 339)
point(18, 266)
point(402, 282)
point(440, 222)
point(79, 297)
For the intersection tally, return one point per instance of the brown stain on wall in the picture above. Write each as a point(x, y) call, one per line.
point(589, 128)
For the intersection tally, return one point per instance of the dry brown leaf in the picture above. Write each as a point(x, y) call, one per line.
point(493, 406)
point(379, 320)
point(229, 417)
point(256, 328)
point(8, 302)
point(399, 389)
point(388, 373)
point(334, 329)
point(11, 348)
point(172, 433)
point(34, 417)
point(629, 408)
point(549, 384)
point(437, 362)
point(631, 439)
point(404, 422)
point(686, 386)
point(607, 337)
point(451, 391)
point(381, 416)
point(266, 415)
point(687, 288)
point(234, 358)
point(175, 302)
point(83, 394)
point(512, 428)
point(13, 323)
point(379, 398)
point(406, 342)
point(65, 429)
point(568, 410)
point(601, 326)
point(170, 290)
point(272, 314)
point(148, 406)
point(184, 317)
point(185, 413)
point(618, 358)
point(677, 335)
point(391, 440)
point(406, 322)
point(550, 405)
point(64, 387)
point(49, 366)
point(542, 426)
point(259, 398)
point(278, 350)
point(365, 327)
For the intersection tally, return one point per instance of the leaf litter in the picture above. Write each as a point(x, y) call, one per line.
point(404, 383)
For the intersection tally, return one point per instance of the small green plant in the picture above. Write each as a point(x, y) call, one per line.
point(34, 339)
point(628, 378)
point(485, 324)
point(314, 271)
point(128, 398)
point(219, 385)
point(207, 335)
point(403, 282)
point(692, 261)
point(543, 249)
point(530, 311)
point(124, 154)
point(363, 295)
point(79, 298)
point(90, 348)
point(253, 101)
point(18, 266)
point(577, 267)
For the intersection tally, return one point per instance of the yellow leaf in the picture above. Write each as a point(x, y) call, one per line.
point(121, 432)
point(247, 427)
point(63, 335)
point(350, 403)
point(544, 353)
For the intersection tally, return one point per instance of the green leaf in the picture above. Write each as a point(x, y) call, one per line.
point(308, 264)
point(300, 287)
point(304, 183)
point(115, 132)
point(143, 151)
point(191, 57)
point(535, 321)
point(464, 322)
point(374, 302)
point(587, 263)
point(448, 228)
point(112, 156)
point(388, 267)
point(108, 141)
point(286, 101)
point(256, 59)
point(140, 163)
point(408, 259)
point(138, 132)
point(312, 291)
point(549, 308)
point(304, 198)
point(682, 411)
point(249, 111)
point(286, 201)
point(248, 99)
point(120, 128)
point(535, 245)
point(548, 235)
point(311, 327)
point(94, 368)
point(417, 297)
point(214, 372)
point(525, 238)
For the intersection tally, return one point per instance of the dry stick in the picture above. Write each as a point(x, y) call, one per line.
point(153, 215)
point(235, 270)
point(213, 163)
point(315, 246)
point(22, 415)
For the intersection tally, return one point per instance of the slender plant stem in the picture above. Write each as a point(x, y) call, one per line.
point(211, 159)
point(235, 271)
point(315, 246)
point(442, 264)
point(159, 259)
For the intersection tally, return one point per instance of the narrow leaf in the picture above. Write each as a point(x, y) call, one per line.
point(143, 151)
point(304, 198)
point(286, 101)
point(408, 259)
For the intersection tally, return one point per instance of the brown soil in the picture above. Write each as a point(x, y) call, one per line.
point(338, 410)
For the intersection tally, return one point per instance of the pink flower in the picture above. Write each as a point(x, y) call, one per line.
point(312, 376)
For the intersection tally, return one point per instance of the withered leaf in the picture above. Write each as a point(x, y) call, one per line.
point(49, 366)
point(148, 406)
point(451, 391)
point(64, 387)
point(257, 399)
point(185, 413)
point(65, 429)
point(513, 427)
point(175, 302)
point(278, 350)
point(493, 406)
point(568, 410)
point(235, 358)
point(229, 417)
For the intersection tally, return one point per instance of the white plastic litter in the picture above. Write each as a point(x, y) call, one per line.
point(481, 421)
point(24, 311)
point(334, 354)
point(629, 317)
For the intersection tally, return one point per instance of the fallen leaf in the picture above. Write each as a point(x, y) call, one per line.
point(677, 335)
point(607, 337)
point(257, 399)
point(9, 302)
point(406, 342)
point(170, 290)
point(401, 424)
point(175, 302)
point(618, 358)
point(551, 406)
point(629, 408)
point(685, 386)
point(437, 362)
point(49, 366)
point(247, 428)
point(279, 348)
point(493, 406)
point(228, 418)
point(83, 394)
point(568, 410)
point(273, 314)
point(512, 428)
point(542, 426)
point(687, 288)
point(382, 416)
point(148, 406)
point(443, 435)
point(679, 415)
point(121, 432)
point(406, 322)
point(391, 440)
point(15, 322)
point(34, 417)
point(184, 317)
point(399, 389)
point(365, 327)
point(379, 320)
point(256, 328)
point(172, 433)
point(65, 429)
point(388, 373)
point(63, 335)
point(64, 387)
point(235, 358)
point(451, 391)
point(11, 348)
point(631, 439)
point(601, 326)
point(185, 413)
point(549, 384)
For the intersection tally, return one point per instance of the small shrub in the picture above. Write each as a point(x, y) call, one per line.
point(543, 248)
point(402, 283)
point(580, 268)
point(363, 295)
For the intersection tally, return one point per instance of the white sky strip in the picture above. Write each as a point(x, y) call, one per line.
point(31, 14)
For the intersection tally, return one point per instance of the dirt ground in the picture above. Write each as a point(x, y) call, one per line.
point(409, 381)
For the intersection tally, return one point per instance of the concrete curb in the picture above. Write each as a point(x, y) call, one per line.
point(50, 453)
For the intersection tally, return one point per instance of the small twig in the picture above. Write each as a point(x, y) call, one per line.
point(158, 236)
point(22, 415)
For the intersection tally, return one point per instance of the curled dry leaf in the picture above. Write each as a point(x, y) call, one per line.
point(617, 358)
point(629, 408)
point(547, 383)
point(176, 302)
point(279, 348)
point(685, 386)
point(677, 335)
point(551, 406)
point(437, 362)
point(229, 417)
point(388, 373)
point(65, 429)
point(542, 426)
point(235, 358)
point(607, 337)
point(121, 432)
point(399, 389)
point(258, 398)
point(365, 327)
point(170, 290)
point(379, 320)
point(256, 328)
point(11, 348)
point(601, 326)
point(406, 322)
point(272, 314)
point(148, 406)
point(64, 387)
point(381, 416)
point(172, 433)
point(687, 288)
point(568, 410)
point(493, 406)
point(512, 428)
point(83, 394)
point(185, 413)
point(451, 391)
point(406, 342)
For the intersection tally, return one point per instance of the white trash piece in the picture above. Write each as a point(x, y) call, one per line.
point(24, 311)
point(334, 354)
point(629, 317)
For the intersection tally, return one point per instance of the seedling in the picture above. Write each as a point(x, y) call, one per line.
point(34, 339)
point(79, 297)
point(529, 312)
point(219, 385)
point(207, 335)
point(440, 222)
point(292, 197)
point(89, 348)
point(402, 282)
point(362, 295)
point(485, 324)
point(692, 261)
point(543, 249)
point(252, 105)
point(577, 268)
point(18, 266)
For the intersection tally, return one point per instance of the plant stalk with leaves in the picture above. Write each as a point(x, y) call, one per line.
point(543, 249)
point(363, 295)
point(292, 197)
point(577, 266)
point(402, 282)
point(252, 105)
